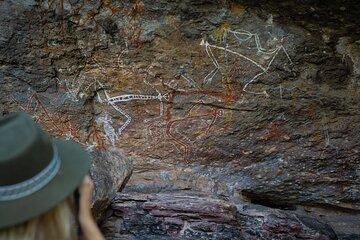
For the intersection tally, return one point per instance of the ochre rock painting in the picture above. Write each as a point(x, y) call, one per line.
point(178, 131)
point(205, 119)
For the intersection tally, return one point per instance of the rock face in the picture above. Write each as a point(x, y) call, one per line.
point(110, 172)
point(214, 119)
point(163, 216)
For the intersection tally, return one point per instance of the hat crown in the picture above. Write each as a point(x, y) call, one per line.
point(25, 150)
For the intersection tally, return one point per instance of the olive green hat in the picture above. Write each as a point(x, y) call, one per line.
point(36, 172)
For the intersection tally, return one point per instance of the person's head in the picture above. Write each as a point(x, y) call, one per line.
point(38, 176)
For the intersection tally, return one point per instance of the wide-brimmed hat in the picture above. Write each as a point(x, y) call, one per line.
point(36, 171)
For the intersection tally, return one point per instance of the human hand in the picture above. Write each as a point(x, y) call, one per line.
point(88, 225)
point(85, 192)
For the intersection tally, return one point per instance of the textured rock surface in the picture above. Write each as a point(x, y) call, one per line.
point(110, 171)
point(194, 217)
point(222, 103)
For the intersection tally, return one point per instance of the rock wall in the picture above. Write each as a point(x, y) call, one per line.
point(212, 119)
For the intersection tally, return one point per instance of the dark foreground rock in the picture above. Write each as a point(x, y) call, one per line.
point(224, 103)
point(163, 216)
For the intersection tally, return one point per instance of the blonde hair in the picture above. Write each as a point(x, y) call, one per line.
point(54, 224)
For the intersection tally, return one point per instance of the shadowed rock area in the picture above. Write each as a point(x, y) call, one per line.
point(206, 119)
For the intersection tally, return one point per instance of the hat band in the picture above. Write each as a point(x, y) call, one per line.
point(29, 186)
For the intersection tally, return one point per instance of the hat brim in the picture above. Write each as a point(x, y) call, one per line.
point(75, 164)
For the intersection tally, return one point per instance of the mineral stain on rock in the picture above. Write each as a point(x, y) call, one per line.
point(206, 119)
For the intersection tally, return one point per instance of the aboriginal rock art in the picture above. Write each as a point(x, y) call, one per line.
point(228, 95)
point(244, 102)
point(115, 101)
point(172, 123)
point(242, 37)
point(37, 105)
